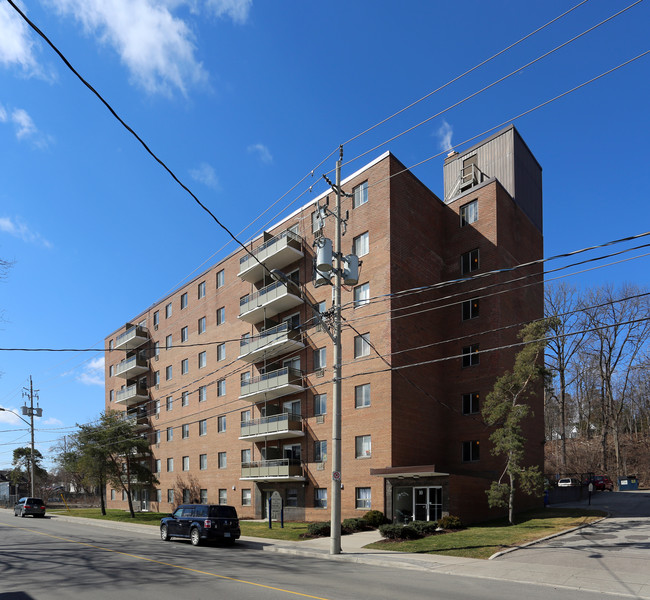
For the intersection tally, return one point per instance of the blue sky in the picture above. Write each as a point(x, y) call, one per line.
point(242, 99)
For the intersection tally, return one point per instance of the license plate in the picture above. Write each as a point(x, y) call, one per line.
point(227, 534)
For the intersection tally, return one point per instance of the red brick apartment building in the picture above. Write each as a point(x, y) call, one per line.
point(230, 376)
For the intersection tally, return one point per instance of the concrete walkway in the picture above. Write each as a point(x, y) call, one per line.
point(532, 563)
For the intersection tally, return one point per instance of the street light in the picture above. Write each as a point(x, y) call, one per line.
point(31, 461)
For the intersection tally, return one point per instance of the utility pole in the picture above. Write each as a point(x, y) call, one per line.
point(335, 519)
point(31, 411)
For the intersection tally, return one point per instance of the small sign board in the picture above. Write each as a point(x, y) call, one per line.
point(336, 475)
point(276, 506)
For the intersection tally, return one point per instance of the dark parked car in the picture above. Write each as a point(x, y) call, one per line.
point(29, 506)
point(200, 522)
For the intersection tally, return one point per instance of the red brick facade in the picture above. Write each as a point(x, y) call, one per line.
point(415, 413)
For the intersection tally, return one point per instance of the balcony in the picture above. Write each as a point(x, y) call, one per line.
point(275, 253)
point(131, 367)
point(270, 343)
point(130, 395)
point(275, 427)
point(268, 302)
point(132, 338)
point(283, 469)
point(138, 417)
point(272, 385)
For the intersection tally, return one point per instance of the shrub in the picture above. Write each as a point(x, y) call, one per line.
point(353, 525)
point(375, 518)
point(450, 522)
point(320, 529)
point(425, 527)
point(399, 532)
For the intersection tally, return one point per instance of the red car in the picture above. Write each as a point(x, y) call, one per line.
point(602, 482)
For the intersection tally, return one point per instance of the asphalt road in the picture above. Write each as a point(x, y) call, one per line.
point(45, 559)
point(619, 545)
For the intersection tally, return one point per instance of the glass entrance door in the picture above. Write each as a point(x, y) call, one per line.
point(144, 502)
point(427, 503)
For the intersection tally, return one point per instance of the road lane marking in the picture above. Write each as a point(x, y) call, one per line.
point(159, 562)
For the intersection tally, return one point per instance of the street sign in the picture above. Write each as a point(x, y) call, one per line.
point(336, 476)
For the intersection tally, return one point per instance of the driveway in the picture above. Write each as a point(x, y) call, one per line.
point(617, 548)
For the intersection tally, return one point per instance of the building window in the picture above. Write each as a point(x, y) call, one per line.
point(184, 301)
point(110, 371)
point(362, 396)
point(222, 462)
point(203, 496)
point(202, 359)
point(186, 496)
point(320, 451)
point(320, 358)
point(471, 451)
point(223, 496)
point(156, 319)
point(112, 494)
point(320, 404)
point(221, 278)
point(203, 394)
point(201, 289)
point(363, 496)
point(170, 434)
point(203, 427)
point(221, 352)
point(221, 423)
point(156, 407)
point(470, 309)
point(184, 334)
point(156, 349)
point(203, 462)
point(361, 295)
point(158, 466)
point(245, 416)
point(156, 378)
point(469, 262)
point(156, 437)
point(221, 387)
point(316, 222)
point(471, 403)
point(186, 463)
point(111, 395)
point(169, 403)
point(185, 366)
point(201, 326)
point(168, 373)
point(292, 497)
point(170, 496)
point(361, 244)
point(469, 213)
point(362, 446)
point(470, 356)
point(185, 398)
point(168, 310)
point(246, 497)
point(245, 378)
point(360, 195)
point(124, 495)
point(170, 465)
point(159, 496)
point(320, 497)
point(221, 315)
point(168, 342)
point(245, 456)
point(362, 345)
point(185, 431)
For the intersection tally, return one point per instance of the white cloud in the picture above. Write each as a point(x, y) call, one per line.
point(237, 10)
point(93, 372)
point(24, 127)
point(263, 153)
point(157, 48)
point(445, 133)
point(16, 47)
point(10, 417)
point(51, 421)
point(205, 174)
point(18, 229)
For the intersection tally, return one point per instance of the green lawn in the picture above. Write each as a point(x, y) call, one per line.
point(291, 531)
point(483, 540)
